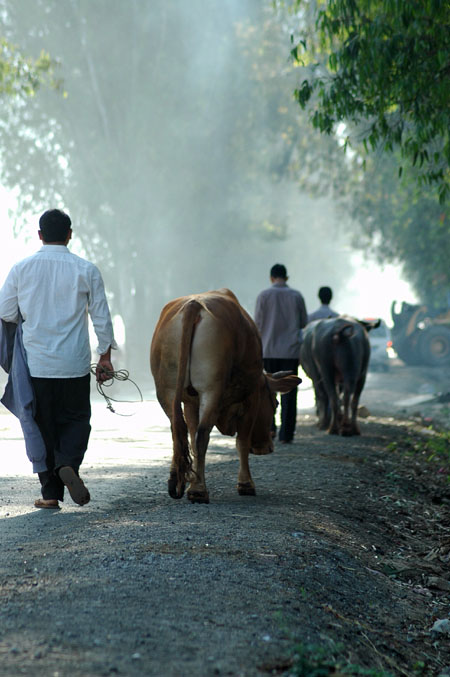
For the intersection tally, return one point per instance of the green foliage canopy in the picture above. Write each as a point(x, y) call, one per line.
point(382, 66)
point(400, 222)
point(21, 75)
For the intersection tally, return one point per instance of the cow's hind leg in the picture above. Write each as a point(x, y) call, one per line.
point(175, 490)
point(172, 482)
point(197, 492)
point(191, 415)
point(245, 485)
point(200, 431)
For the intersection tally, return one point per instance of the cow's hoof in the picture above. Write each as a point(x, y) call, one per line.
point(172, 486)
point(261, 451)
point(333, 431)
point(198, 496)
point(349, 431)
point(246, 489)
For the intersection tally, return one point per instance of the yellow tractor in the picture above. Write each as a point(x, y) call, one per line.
point(420, 335)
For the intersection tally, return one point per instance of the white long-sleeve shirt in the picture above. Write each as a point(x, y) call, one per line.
point(54, 290)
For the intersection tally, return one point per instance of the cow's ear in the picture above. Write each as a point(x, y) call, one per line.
point(282, 384)
point(280, 374)
point(373, 324)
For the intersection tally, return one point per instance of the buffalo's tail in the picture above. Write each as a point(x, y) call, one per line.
point(344, 332)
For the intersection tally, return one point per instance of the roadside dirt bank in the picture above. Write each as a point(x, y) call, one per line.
point(345, 547)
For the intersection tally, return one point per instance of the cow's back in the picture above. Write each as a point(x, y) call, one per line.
point(225, 342)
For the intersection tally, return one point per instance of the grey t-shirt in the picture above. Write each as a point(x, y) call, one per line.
point(280, 315)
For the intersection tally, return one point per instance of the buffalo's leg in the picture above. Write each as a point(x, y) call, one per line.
point(322, 406)
point(335, 407)
point(346, 427)
point(354, 406)
point(321, 397)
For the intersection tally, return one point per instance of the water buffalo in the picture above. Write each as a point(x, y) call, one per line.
point(335, 354)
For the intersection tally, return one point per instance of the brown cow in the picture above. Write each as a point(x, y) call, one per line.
point(206, 353)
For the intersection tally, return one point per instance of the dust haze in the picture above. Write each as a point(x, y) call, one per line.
point(168, 150)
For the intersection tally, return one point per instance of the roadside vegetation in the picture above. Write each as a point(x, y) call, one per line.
point(376, 75)
point(312, 660)
point(430, 447)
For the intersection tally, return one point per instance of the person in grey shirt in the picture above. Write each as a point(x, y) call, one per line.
point(280, 315)
point(324, 311)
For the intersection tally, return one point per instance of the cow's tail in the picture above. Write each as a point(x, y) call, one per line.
point(182, 460)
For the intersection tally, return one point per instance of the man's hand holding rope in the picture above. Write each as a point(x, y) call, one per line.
point(104, 369)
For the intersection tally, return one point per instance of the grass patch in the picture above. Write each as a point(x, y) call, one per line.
point(433, 447)
point(311, 660)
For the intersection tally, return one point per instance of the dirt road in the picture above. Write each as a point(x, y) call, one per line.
point(341, 558)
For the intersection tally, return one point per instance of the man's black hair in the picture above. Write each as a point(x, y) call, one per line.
point(54, 225)
point(278, 270)
point(325, 295)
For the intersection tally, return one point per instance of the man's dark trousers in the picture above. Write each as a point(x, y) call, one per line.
point(288, 401)
point(63, 412)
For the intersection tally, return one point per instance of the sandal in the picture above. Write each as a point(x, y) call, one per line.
point(75, 485)
point(49, 503)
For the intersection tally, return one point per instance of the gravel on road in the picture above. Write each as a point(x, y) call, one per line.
point(345, 547)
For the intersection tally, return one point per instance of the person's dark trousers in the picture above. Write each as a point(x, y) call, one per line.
point(63, 412)
point(288, 401)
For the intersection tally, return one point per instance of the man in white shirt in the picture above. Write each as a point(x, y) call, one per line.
point(53, 291)
point(324, 311)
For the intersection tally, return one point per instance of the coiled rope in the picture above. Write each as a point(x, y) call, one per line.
point(119, 375)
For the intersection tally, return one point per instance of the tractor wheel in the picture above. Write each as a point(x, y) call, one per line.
point(434, 346)
point(407, 351)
